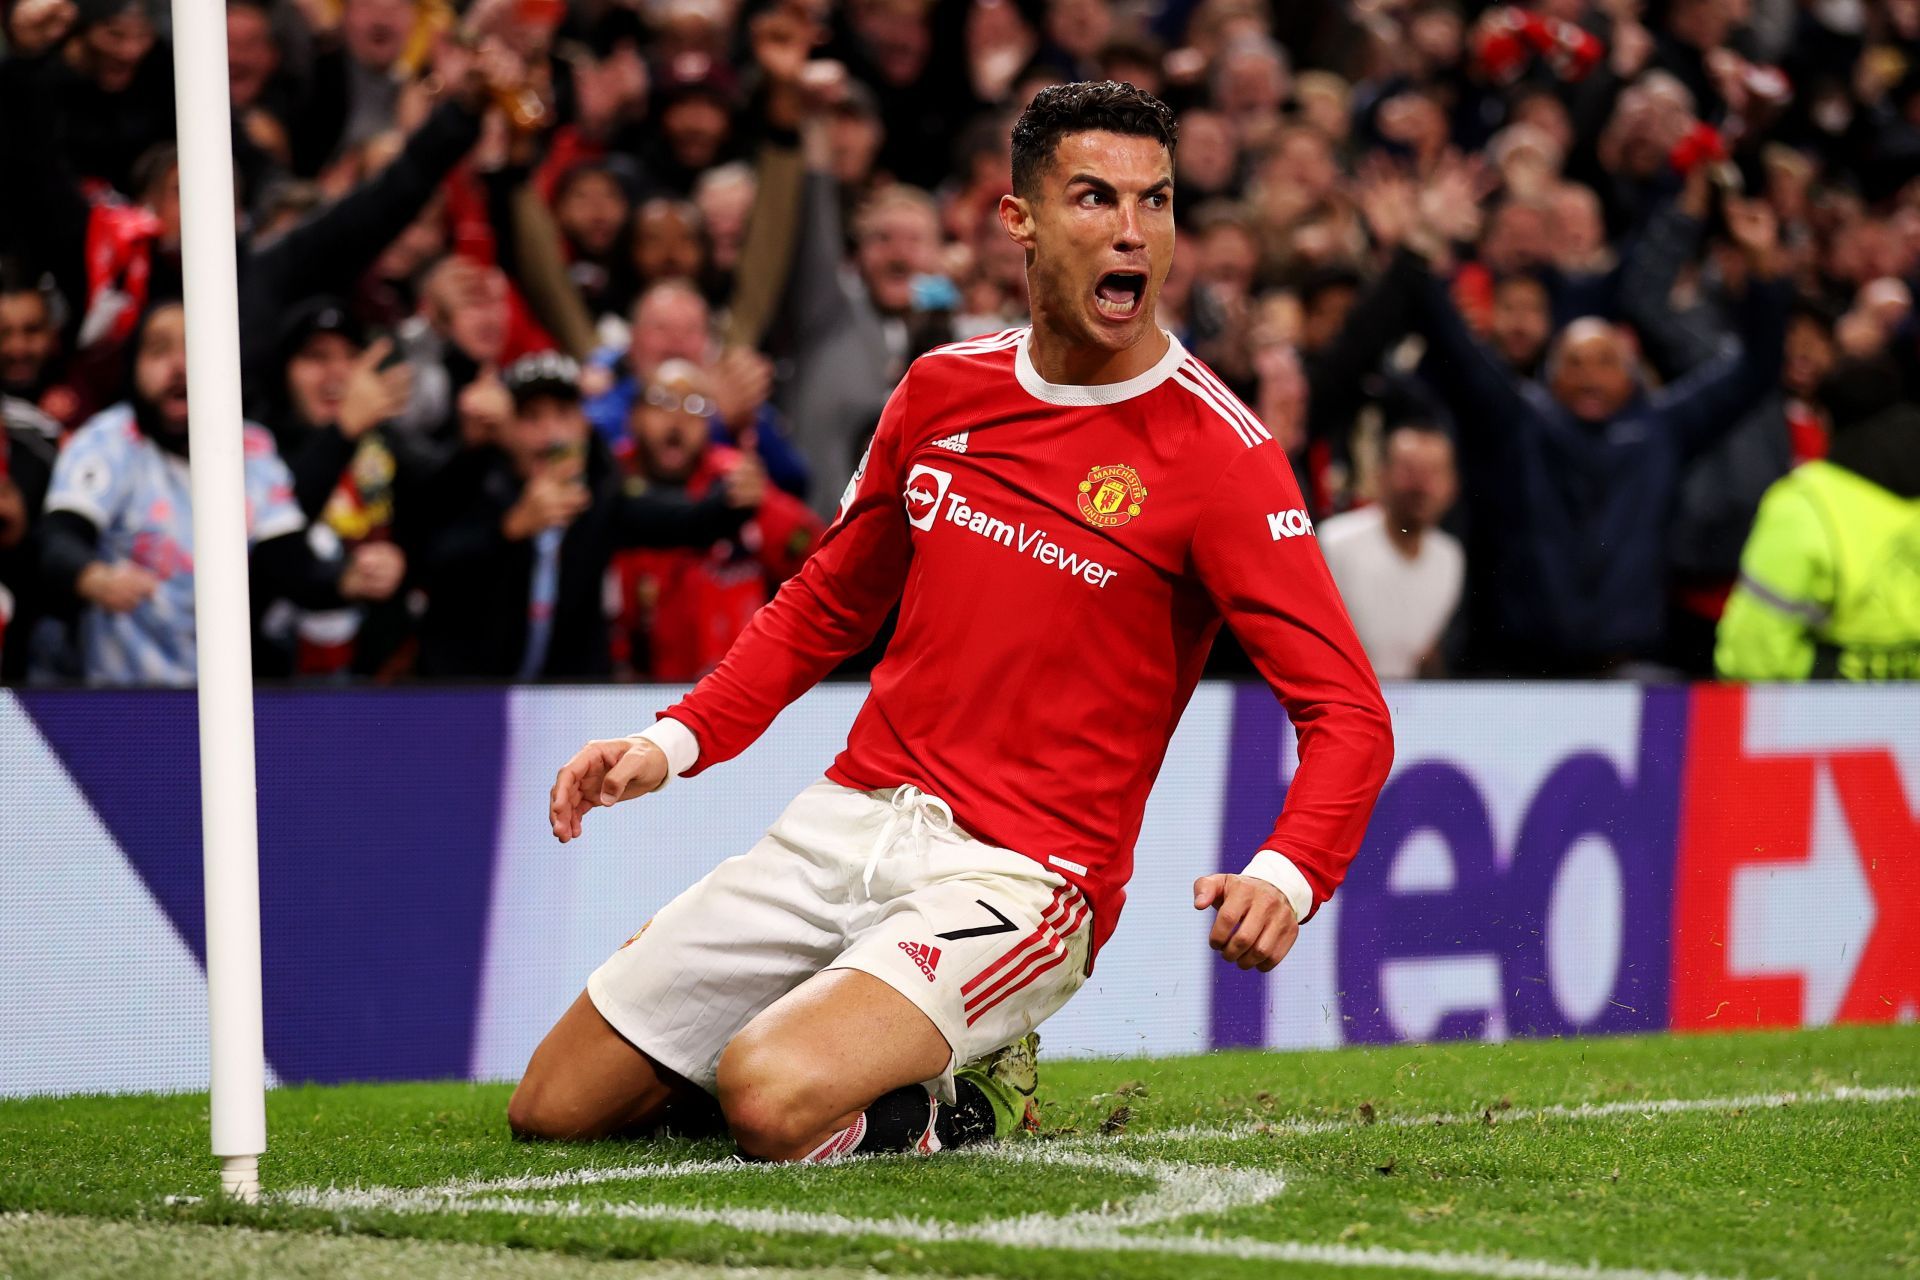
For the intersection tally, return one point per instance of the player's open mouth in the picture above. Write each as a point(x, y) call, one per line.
point(1118, 294)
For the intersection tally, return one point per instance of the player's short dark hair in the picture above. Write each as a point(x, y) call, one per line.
point(1089, 106)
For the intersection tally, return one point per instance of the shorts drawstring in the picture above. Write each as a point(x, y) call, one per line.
point(915, 815)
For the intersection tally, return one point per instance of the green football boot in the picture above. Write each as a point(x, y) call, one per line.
point(1009, 1077)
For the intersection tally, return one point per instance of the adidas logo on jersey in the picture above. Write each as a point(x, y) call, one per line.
point(956, 443)
point(1291, 523)
point(928, 958)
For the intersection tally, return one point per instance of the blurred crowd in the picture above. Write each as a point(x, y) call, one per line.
point(564, 322)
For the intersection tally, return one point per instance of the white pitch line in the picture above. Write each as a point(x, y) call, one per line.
point(1063, 1233)
point(1180, 1191)
point(1303, 1127)
point(1584, 1111)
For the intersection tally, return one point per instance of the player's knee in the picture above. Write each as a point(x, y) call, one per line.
point(767, 1102)
point(537, 1113)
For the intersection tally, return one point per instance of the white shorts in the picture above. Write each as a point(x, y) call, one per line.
point(984, 941)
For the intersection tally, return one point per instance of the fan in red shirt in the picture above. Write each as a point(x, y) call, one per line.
point(1065, 516)
point(680, 609)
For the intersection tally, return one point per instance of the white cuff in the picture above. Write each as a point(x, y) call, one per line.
point(675, 741)
point(1278, 870)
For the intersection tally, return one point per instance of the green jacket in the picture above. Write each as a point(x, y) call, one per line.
point(1829, 583)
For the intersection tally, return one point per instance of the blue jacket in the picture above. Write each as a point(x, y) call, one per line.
point(1567, 520)
point(608, 414)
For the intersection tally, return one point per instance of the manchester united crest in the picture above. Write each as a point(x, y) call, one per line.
point(1110, 496)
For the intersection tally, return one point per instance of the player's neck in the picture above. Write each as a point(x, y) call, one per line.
point(1060, 360)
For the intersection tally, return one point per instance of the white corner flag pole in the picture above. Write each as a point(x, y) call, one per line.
point(230, 838)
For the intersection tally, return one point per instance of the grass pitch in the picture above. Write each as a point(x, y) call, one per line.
point(1756, 1155)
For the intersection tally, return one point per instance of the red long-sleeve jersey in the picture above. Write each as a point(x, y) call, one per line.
point(1063, 557)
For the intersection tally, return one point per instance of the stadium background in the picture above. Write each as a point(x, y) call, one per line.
point(1547, 860)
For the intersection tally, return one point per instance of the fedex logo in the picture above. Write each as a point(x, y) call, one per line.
point(1507, 890)
point(1586, 860)
point(1797, 893)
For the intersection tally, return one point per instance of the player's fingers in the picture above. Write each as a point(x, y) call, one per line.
point(1233, 909)
point(620, 775)
point(560, 807)
point(1253, 924)
point(574, 781)
point(1207, 890)
point(1279, 938)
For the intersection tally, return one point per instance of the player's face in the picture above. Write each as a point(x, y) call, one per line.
point(1099, 237)
point(160, 367)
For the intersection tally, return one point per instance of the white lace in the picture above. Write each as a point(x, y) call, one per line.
point(915, 816)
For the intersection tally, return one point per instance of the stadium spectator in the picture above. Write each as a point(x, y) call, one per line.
point(680, 609)
point(1829, 582)
point(28, 444)
point(118, 534)
point(851, 333)
point(1722, 488)
point(458, 335)
point(1570, 485)
point(798, 200)
point(98, 78)
point(593, 207)
point(1399, 573)
point(514, 563)
point(334, 428)
point(358, 75)
point(30, 344)
point(672, 322)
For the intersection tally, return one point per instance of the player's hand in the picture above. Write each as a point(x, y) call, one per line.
point(1255, 927)
point(117, 588)
point(602, 774)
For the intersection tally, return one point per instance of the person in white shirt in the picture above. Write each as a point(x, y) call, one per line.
point(1400, 574)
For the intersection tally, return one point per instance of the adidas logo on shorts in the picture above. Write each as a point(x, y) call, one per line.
point(928, 958)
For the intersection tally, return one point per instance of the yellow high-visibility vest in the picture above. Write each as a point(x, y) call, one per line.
point(1829, 583)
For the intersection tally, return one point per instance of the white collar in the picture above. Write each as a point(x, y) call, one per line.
point(1069, 395)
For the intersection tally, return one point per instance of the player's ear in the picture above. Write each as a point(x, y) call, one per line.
point(1016, 215)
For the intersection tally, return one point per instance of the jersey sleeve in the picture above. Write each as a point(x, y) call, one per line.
point(1785, 590)
point(828, 611)
point(1255, 552)
point(91, 475)
point(272, 509)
